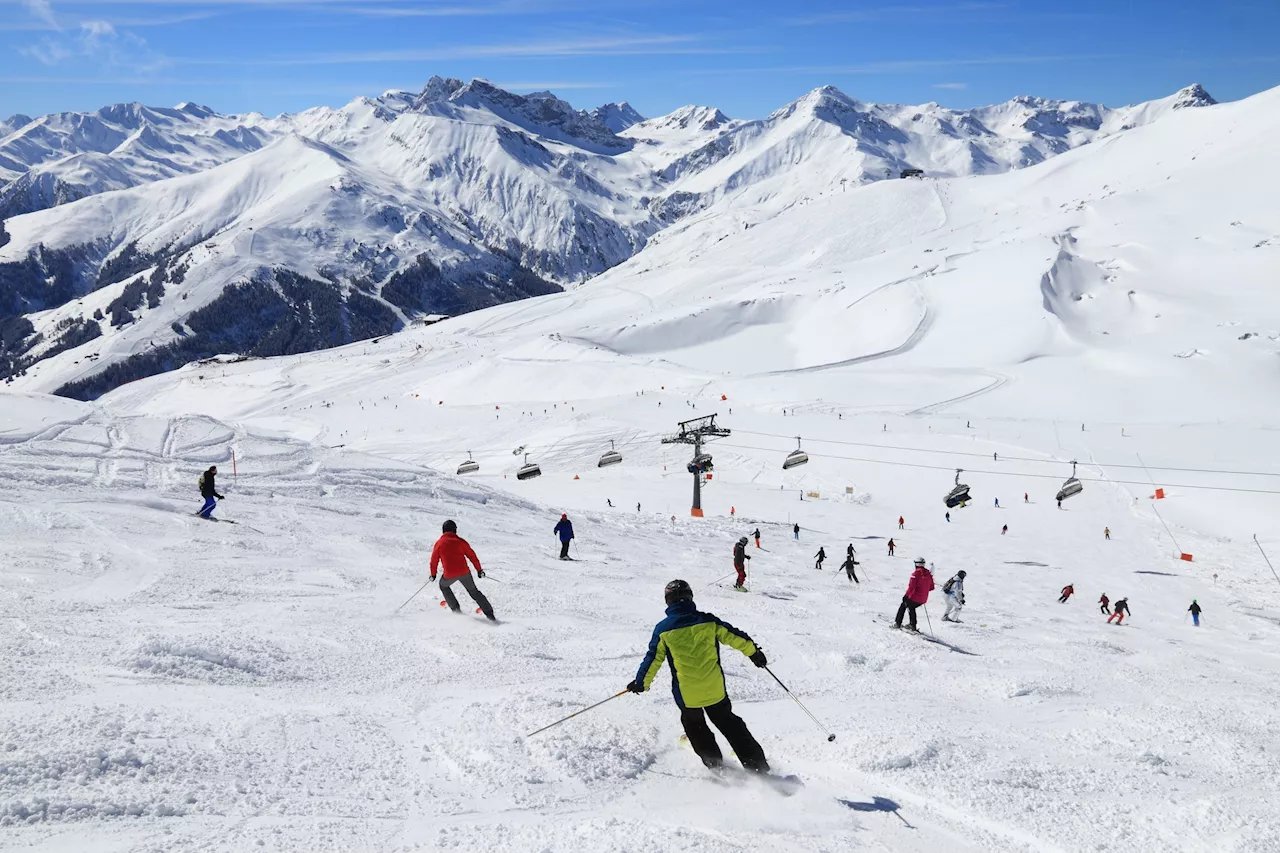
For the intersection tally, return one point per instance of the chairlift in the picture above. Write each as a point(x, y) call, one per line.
point(700, 464)
point(612, 457)
point(1072, 486)
point(795, 457)
point(528, 470)
point(959, 495)
point(470, 466)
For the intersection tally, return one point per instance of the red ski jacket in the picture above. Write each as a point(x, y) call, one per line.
point(452, 550)
point(920, 585)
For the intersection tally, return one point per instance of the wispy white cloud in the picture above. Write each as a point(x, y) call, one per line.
point(99, 43)
point(43, 10)
point(954, 86)
point(912, 66)
point(893, 13)
point(65, 21)
point(656, 45)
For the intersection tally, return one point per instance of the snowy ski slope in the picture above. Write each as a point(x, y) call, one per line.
point(179, 684)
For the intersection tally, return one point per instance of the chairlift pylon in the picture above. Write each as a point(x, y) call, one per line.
point(795, 457)
point(612, 457)
point(470, 466)
point(528, 470)
point(959, 495)
point(1072, 486)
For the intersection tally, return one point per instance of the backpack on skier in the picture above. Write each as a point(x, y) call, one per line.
point(948, 586)
point(200, 484)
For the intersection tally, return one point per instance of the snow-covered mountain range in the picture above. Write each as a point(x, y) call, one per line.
point(137, 239)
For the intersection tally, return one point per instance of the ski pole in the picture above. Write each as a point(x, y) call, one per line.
point(830, 736)
point(1265, 557)
point(576, 713)
point(930, 621)
point(412, 597)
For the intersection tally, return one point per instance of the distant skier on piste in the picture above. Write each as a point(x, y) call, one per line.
point(1066, 593)
point(891, 547)
point(1194, 609)
point(796, 531)
point(1104, 604)
point(850, 562)
point(740, 557)
point(564, 529)
point(757, 536)
point(453, 552)
point(690, 640)
point(1122, 610)
point(209, 491)
point(819, 557)
point(954, 592)
point(918, 589)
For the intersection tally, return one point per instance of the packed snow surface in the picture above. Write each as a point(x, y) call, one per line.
point(176, 683)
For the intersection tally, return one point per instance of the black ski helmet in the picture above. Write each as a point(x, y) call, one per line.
point(742, 541)
point(450, 526)
point(960, 574)
point(678, 590)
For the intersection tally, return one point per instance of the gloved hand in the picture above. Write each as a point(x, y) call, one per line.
point(433, 577)
point(635, 687)
point(758, 658)
point(748, 556)
point(480, 573)
point(219, 497)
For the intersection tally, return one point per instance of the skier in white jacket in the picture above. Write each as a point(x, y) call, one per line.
point(954, 591)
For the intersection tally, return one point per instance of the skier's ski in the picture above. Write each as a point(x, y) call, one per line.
point(785, 785)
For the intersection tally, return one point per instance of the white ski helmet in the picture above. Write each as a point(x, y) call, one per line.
point(920, 561)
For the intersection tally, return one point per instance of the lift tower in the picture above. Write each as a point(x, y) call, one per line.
point(696, 432)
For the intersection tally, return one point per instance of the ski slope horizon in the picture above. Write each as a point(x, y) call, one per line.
point(183, 684)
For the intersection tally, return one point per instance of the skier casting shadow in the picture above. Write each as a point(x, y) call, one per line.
point(454, 552)
point(690, 640)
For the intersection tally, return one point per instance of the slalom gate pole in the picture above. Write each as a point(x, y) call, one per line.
point(412, 597)
point(926, 616)
point(235, 475)
point(1265, 557)
point(830, 736)
point(576, 713)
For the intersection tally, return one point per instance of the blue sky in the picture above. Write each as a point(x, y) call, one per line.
point(746, 57)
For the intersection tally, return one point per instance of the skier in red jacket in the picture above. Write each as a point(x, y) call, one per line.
point(454, 552)
point(1066, 593)
point(918, 589)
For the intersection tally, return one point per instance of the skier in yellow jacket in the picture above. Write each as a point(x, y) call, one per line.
point(690, 640)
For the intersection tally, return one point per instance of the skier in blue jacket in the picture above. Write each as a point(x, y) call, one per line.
point(564, 529)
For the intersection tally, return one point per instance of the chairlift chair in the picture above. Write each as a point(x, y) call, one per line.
point(795, 457)
point(1072, 486)
point(959, 495)
point(612, 457)
point(700, 464)
point(470, 466)
point(528, 470)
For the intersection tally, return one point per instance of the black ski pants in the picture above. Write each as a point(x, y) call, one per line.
point(564, 549)
point(906, 605)
point(848, 569)
point(469, 584)
point(731, 726)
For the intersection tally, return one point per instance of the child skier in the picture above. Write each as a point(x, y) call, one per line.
point(691, 641)
point(1104, 602)
point(1066, 593)
point(954, 592)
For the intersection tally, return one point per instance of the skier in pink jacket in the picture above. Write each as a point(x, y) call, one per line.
point(918, 589)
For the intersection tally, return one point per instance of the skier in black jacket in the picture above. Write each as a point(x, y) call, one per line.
point(820, 556)
point(209, 491)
